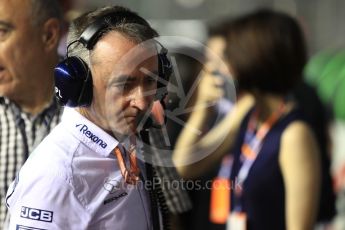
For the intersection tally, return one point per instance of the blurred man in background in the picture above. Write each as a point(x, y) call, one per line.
point(29, 36)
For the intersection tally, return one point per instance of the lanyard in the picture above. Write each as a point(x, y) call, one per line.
point(131, 175)
point(253, 142)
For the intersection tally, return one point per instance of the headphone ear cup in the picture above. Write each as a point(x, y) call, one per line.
point(164, 72)
point(73, 82)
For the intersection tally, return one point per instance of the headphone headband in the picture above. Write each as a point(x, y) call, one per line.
point(92, 33)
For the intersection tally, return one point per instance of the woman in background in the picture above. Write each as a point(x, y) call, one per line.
point(276, 158)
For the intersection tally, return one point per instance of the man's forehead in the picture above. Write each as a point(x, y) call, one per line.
point(115, 46)
point(134, 71)
point(16, 7)
point(13, 11)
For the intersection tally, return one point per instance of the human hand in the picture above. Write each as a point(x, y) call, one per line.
point(210, 89)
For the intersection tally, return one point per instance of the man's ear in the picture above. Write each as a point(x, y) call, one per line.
point(51, 34)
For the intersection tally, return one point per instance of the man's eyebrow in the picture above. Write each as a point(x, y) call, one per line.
point(123, 79)
point(129, 78)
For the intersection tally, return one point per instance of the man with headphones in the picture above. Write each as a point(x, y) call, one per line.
point(90, 171)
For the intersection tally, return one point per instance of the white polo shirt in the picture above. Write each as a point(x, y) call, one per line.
point(72, 181)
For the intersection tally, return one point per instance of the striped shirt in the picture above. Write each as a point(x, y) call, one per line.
point(176, 198)
point(20, 133)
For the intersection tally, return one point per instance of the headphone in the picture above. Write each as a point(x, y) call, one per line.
point(73, 80)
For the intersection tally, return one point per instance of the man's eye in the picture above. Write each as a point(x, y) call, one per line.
point(115, 86)
point(3, 33)
point(127, 86)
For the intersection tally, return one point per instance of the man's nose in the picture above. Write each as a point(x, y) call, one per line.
point(140, 98)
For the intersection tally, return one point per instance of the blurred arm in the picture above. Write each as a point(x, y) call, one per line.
point(191, 146)
point(300, 164)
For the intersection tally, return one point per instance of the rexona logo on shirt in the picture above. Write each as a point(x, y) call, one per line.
point(36, 214)
point(85, 130)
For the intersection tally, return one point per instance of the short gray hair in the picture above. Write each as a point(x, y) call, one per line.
point(132, 26)
point(42, 10)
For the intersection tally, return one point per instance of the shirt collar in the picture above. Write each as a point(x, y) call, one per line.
point(88, 133)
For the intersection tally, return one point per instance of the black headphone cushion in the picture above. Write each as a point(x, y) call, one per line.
point(73, 82)
point(164, 72)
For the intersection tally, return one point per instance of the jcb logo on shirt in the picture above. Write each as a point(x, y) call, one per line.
point(36, 214)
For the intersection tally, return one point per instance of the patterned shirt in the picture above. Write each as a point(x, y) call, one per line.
point(176, 198)
point(20, 133)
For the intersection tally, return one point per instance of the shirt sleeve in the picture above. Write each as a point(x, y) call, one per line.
point(45, 202)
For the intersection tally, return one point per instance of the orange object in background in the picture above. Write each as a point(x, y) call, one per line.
point(220, 201)
point(158, 112)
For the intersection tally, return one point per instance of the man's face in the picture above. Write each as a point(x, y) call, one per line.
point(20, 48)
point(125, 82)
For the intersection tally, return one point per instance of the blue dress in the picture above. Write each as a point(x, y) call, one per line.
point(263, 193)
